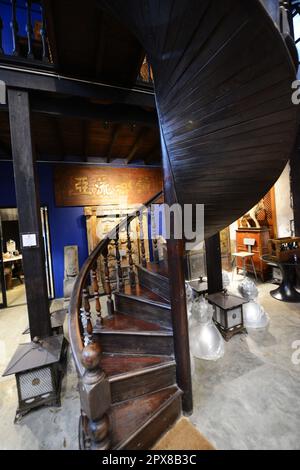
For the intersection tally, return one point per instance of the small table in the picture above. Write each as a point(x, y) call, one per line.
point(286, 291)
point(11, 260)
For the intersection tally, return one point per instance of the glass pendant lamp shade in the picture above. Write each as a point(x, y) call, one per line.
point(205, 339)
point(254, 314)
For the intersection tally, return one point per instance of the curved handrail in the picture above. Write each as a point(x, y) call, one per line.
point(76, 299)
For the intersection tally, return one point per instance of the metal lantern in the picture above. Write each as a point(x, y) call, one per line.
point(38, 367)
point(254, 314)
point(205, 339)
point(228, 314)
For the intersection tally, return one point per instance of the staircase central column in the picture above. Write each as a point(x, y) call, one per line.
point(176, 249)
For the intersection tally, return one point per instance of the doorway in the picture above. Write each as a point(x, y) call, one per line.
point(12, 282)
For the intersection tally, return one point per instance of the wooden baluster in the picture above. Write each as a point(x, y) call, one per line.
point(95, 287)
point(1, 36)
point(29, 30)
point(130, 259)
point(14, 29)
point(154, 235)
point(87, 312)
point(142, 241)
point(44, 38)
point(95, 399)
point(107, 285)
point(120, 282)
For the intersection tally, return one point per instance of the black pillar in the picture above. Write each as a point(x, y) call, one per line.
point(214, 264)
point(29, 213)
point(295, 185)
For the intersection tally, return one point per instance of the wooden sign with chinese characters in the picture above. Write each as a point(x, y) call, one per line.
point(93, 186)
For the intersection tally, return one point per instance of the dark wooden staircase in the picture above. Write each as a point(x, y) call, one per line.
point(223, 75)
point(125, 355)
point(138, 360)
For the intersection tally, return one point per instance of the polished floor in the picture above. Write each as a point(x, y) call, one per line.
point(249, 399)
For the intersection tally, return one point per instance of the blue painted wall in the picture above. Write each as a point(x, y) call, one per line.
point(67, 224)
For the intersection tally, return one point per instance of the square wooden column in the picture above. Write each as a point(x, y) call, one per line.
point(214, 264)
point(28, 203)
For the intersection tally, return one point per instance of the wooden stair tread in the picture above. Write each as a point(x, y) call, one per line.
point(122, 323)
point(119, 364)
point(144, 294)
point(128, 417)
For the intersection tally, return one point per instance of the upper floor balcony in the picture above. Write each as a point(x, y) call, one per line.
point(71, 38)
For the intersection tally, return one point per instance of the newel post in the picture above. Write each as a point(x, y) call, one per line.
point(95, 401)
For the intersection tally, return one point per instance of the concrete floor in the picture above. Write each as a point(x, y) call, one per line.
point(249, 399)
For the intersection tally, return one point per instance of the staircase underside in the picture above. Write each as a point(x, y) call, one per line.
point(223, 78)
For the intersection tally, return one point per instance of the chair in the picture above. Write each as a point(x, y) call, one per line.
point(244, 255)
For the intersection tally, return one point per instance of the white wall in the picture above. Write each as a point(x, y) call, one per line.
point(284, 212)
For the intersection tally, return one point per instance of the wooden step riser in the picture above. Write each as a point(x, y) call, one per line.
point(141, 384)
point(136, 344)
point(150, 434)
point(144, 310)
point(157, 284)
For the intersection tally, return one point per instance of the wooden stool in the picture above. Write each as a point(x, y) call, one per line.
point(243, 255)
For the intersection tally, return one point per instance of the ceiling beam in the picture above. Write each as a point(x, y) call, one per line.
point(52, 82)
point(136, 145)
point(83, 109)
point(113, 141)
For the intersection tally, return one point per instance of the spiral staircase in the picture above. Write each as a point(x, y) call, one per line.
point(223, 73)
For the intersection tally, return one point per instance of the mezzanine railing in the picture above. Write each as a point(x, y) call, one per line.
point(23, 33)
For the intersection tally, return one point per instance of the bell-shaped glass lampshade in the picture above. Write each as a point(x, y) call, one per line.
point(205, 339)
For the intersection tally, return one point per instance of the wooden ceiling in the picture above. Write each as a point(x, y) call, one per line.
point(72, 139)
point(88, 43)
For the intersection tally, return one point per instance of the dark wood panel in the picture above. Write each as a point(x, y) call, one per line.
point(114, 365)
point(160, 423)
point(93, 44)
point(146, 382)
point(54, 83)
point(144, 309)
point(134, 343)
point(155, 282)
point(226, 95)
point(127, 418)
